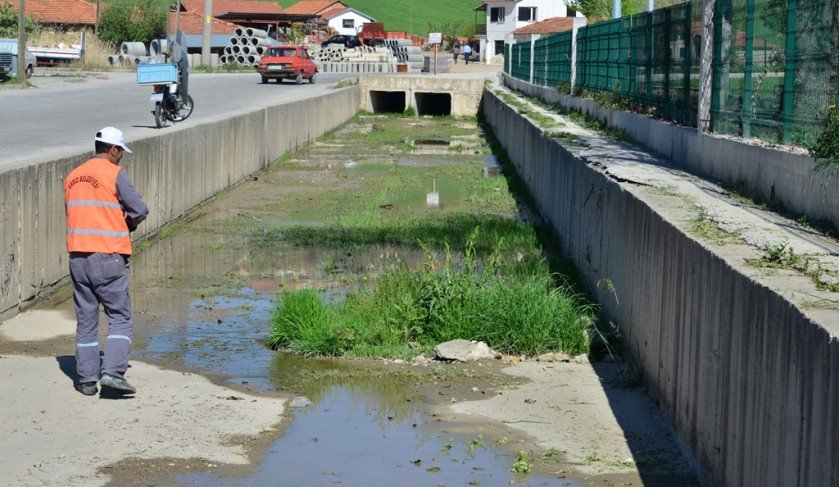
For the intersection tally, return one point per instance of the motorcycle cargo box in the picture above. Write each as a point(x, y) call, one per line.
point(156, 74)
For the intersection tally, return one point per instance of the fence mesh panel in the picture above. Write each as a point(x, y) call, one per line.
point(520, 54)
point(775, 68)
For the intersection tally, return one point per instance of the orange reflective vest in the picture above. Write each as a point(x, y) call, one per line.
point(95, 218)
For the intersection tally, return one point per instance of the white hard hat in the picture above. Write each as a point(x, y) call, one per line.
point(113, 136)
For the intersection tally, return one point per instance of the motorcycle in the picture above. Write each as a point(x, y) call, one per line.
point(170, 104)
point(171, 96)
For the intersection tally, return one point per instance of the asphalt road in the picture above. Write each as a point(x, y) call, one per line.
point(61, 115)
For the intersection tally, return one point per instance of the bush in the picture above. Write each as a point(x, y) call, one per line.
point(133, 21)
point(825, 146)
point(9, 21)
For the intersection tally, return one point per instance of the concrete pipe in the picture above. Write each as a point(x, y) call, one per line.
point(252, 59)
point(234, 41)
point(236, 49)
point(251, 32)
point(112, 59)
point(240, 59)
point(223, 59)
point(260, 41)
point(261, 50)
point(133, 48)
point(121, 58)
point(239, 32)
point(214, 60)
point(243, 41)
point(228, 50)
point(246, 50)
point(404, 42)
point(196, 59)
point(154, 47)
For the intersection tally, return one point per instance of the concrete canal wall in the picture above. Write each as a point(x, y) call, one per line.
point(174, 171)
point(774, 174)
point(749, 383)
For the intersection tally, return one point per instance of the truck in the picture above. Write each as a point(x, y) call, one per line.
point(372, 33)
point(8, 59)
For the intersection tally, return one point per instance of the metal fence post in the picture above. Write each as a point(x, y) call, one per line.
point(746, 87)
point(790, 66)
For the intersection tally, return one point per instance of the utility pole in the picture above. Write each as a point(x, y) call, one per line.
point(208, 23)
point(96, 24)
point(21, 68)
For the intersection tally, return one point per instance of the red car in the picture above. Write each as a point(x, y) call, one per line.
point(287, 62)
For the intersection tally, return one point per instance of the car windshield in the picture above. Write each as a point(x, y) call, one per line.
point(283, 52)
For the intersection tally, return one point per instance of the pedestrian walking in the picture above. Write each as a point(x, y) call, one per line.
point(455, 52)
point(103, 208)
point(467, 53)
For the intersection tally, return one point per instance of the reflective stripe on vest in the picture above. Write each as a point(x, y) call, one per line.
point(95, 218)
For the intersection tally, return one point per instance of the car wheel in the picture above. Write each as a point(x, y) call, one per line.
point(29, 71)
point(298, 79)
point(312, 79)
point(264, 79)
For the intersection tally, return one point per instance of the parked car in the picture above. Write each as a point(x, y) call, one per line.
point(348, 41)
point(287, 62)
point(8, 59)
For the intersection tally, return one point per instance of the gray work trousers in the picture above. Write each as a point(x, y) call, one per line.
point(101, 279)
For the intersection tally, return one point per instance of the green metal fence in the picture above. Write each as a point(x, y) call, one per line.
point(775, 68)
point(775, 65)
point(520, 61)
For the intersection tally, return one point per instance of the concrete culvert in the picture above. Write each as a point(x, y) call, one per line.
point(433, 103)
point(387, 101)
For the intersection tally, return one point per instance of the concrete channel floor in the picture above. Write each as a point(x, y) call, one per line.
point(729, 226)
point(603, 427)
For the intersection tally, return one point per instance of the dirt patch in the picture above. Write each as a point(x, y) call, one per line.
point(61, 437)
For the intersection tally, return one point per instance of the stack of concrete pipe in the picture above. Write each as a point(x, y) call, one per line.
point(130, 55)
point(247, 46)
point(406, 53)
point(335, 58)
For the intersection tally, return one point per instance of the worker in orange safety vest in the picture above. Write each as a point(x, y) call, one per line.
point(103, 208)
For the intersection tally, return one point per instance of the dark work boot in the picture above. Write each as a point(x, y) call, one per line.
point(116, 384)
point(87, 388)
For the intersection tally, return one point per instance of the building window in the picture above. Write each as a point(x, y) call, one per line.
point(348, 23)
point(527, 14)
point(570, 12)
point(497, 14)
point(499, 47)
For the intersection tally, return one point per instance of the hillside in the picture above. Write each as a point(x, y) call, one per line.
point(413, 16)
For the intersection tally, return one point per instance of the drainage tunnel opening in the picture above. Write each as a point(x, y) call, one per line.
point(387, 101)
point(433, 103)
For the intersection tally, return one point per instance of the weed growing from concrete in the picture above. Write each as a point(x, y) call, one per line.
point(667, 190)
point(781, 255)
point(704, 226)
point(522, 464)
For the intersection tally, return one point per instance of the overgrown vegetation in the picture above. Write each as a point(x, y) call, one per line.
point(132, 21)
point(515, 307)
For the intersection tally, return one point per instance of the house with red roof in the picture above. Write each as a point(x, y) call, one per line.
point(68, 14)
point(342, 18)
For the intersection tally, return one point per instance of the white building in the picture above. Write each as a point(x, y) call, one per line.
point(348, 21)
point(505, 16)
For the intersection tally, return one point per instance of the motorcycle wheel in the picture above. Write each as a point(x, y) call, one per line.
point(159, 120)
point(185, 111)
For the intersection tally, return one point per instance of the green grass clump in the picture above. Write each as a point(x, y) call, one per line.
point(515, 308)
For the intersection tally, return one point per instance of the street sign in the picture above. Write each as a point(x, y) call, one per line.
point(435, 38)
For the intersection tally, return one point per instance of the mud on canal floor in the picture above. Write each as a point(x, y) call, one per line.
point(335, 216)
